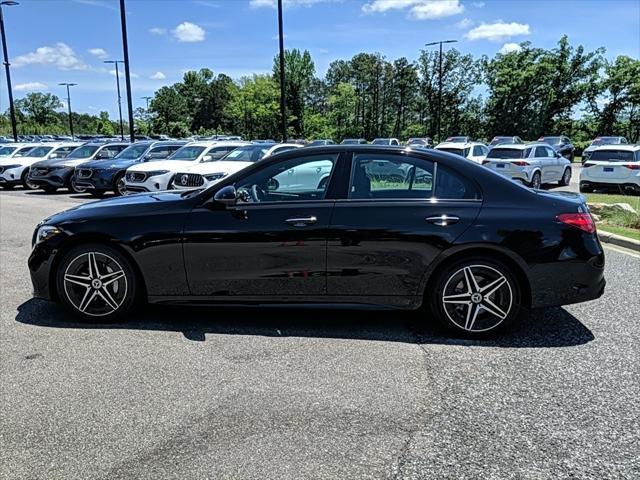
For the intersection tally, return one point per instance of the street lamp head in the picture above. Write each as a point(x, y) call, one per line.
point(68, 84)
point(113, 61)
point(450, 41)
point(9, 3)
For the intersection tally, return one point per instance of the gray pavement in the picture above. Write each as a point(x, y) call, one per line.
point(293, 393)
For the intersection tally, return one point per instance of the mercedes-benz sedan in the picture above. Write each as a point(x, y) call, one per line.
point(468, 245)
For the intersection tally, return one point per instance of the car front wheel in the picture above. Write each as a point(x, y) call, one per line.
point(120, 188)
point(25, 181)
point(96, 283)
point(476, 297)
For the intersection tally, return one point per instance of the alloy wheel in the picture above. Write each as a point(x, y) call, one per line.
point(566, 178)
point(95, 284)
point(536, 181)
point(477, 298)
point(120, 189)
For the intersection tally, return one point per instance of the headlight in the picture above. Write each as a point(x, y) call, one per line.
point(215, 176)
point(156, 173)
point(45, 232)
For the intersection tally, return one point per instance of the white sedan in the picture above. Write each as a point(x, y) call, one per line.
point(208, 172)
point(156, 176)
point(17, 158)
point(612, 167)
point(533, 164)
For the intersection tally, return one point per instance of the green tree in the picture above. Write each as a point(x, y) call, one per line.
point(298, 73)
point(39, 108)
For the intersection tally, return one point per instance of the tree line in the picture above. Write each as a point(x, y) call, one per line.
point(528, 92)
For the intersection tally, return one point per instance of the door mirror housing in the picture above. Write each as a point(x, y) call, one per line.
point(207, 158)
point(226, 196)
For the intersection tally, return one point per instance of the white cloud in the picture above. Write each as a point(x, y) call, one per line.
point(465, 23)
point(121, 73)
point(99, 53)
point(158, 76)
point(157, 31)
point(30, 87)
point(498, 31)
point(418, 9)
point(510, 47)
point(188, 32)
point(478, 4)
point(60, 55)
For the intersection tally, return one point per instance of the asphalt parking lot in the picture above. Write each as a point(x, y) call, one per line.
point(294, 393)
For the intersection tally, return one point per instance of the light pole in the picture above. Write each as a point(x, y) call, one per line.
point(439, 79)
point(283, 109)
point(147, 99)
point(69, 105)
point(12, 111)
point(127, 74)
point(116, 62)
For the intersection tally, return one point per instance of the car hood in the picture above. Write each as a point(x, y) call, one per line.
point(220, 166)
point(19, 160)
point(171, 165)
point(119, 164)
point(58, 162)
point(129, 205)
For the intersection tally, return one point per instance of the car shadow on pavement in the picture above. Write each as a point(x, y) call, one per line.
point(553, 327)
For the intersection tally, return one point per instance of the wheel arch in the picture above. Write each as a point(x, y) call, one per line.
point(93, 238)
point(514, 262)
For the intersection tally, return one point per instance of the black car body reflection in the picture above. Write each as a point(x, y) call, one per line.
point(391, 227)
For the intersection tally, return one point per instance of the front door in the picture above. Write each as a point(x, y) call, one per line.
point(394, 224)
point(272, 243)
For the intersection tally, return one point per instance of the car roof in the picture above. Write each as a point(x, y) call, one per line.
point(625, 147)
point(459, 145)
point(519, 146)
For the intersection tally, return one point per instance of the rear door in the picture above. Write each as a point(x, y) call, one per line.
point(393, 223)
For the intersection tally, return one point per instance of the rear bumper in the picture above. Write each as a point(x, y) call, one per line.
point(610, 186)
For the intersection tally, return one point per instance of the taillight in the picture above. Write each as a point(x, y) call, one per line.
point(632, 166)
point(583, 221)
point(520, 163)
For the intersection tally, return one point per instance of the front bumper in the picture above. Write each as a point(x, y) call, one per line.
point(151, 184)
point(41, 263)
point(59, 177)
point(12, 176)
point(99, 179)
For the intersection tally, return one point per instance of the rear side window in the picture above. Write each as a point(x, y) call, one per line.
point(451, 185)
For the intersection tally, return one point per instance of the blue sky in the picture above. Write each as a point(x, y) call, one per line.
point(53, 41)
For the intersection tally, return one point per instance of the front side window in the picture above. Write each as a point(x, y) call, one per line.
point(541, 152)
point(216, 153)
point(39, 152)
point(133, 152)
point(23, 152)
point(298, 179)
point(380, 176)
point(84, 151)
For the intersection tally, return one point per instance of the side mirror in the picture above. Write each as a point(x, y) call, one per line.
point(558, 155)
point(226, 196)
point(207, 158)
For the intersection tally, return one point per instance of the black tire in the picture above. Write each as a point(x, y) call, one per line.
point(8, 186)
point(536, 181)
point(487, 312)
point(566, 177)
point(50, 189)
point(24, 178)
point(90, 297)
point(74, 188)
point(97, 193)
point(118, 185)
point(586, 189)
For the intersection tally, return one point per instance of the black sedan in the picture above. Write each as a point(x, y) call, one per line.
point(395, 228)
point(561, 145)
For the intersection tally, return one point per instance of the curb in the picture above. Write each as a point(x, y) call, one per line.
point(619, 240)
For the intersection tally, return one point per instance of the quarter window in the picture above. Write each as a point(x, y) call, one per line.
point(452, 186)
point(298, 179)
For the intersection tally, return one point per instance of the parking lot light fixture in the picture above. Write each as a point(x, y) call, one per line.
point(69, 106)
point(116, 62)
point(439, 80)
point(12, 111)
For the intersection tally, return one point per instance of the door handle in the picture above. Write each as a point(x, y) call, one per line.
point(443, 220)
point(301, 221)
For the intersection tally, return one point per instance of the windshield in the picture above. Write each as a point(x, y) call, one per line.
point(5, 151)
point(551, 140)
point(457, 139)
point(500, 140)
point(133, 152)
point(605, 140)
point(22, 152)
point(39, 152)
point(458, 151)
point(507, 153)
point(416, 141)
point(380, 141)
point(250, 153)
point(318, 142)
point(85, 151)
point(188, 153)
point(613, 155)
point(350, 141)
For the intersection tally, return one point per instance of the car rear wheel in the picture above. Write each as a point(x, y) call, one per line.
point(119, 185)
point(24, 178)
point(7, 186)
point(97, 193)
point(476, 297)
point(566, 177)
point(96, 283)
point(536, 181)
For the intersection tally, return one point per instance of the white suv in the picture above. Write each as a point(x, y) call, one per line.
point(533, 164)
point(474, 151)
point(15, 160)
point(156, 176)
point(208, 172)
point(612, 167)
